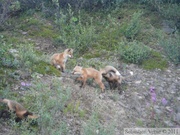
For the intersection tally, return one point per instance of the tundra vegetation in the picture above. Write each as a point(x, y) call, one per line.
point(144, 33)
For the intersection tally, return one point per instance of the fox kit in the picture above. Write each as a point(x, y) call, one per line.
point(112, 76)
point(89, 73)
point(59, 59)
point(18, 109)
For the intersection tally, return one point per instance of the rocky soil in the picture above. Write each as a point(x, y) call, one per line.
point(135, 106)
point(148, 98)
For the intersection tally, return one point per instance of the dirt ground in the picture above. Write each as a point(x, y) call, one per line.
point(132, 108)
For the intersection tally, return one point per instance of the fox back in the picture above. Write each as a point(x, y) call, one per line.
point(91, 72)
point(111, 69)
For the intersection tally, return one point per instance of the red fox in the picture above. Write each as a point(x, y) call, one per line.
point(88, 73)
point(18, 109)
point(112, 76)
point(59, 59)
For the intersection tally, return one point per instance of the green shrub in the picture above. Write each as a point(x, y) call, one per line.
point(171, 48)
point(133, 27)
point(27, 56)
point(171, 11)
point(6, 57)
point(134, 52)
point(75, 34)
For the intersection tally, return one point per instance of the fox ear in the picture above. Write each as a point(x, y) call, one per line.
point(79, 64)
point(69, 50)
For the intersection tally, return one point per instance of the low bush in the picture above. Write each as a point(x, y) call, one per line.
point(134, 52)
point(132, 28)
point(171, 48)
point(6, 57)
point(75, 34)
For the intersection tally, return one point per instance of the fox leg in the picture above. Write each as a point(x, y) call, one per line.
point(56, 64)
point(83, 78)
point(99, 82)
point(82, 81)
point(79, 78)
point(63, 67)
point(102, 86)
point(119, 89)
point(115, 84)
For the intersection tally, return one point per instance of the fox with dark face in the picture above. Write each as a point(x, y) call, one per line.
point(59, 59)
point(86, 73)
point(18, 109)
point(112, 76)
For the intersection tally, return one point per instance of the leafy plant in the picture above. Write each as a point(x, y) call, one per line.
point(6, 57)
point(133, 27)
point(171, 48)
point(75, 34)
point(134, 52)
point(27, 55)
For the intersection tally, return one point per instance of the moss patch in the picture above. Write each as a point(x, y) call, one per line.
point(45, 32)
point(94, 54)
point(44, 68)
point(156, 61)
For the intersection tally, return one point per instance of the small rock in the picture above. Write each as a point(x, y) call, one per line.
point(168, 71)
point(178, 109)
point(138, 82)
point(24, 33)
point(168, 108)
point(168, 123)
point(101, 96)
point(140, 97)
point(126, 95)
point(158, 111)
point(13, 51)
point(131, 73)
point(177, 117)
point(146, 94)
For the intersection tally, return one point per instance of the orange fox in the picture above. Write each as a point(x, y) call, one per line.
point(112, 76)
point(88, 73)
point(18, 109)
point(59, 59)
